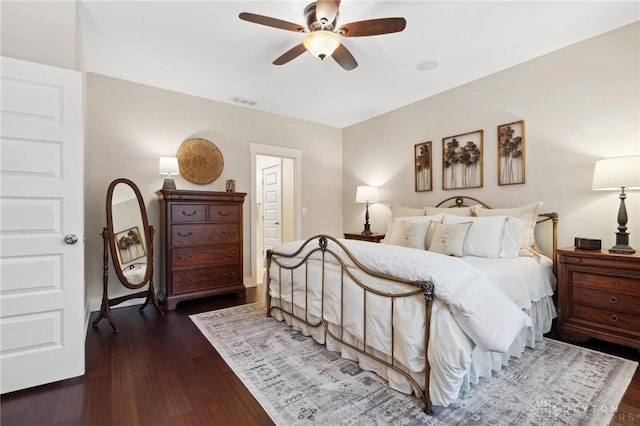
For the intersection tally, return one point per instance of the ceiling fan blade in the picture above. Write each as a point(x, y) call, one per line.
point(327, 11)
point(271, 22)
point(290, 54)
point(344, 58)
point(373, 27)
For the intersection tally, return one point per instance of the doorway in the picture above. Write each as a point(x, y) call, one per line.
point(275, 202)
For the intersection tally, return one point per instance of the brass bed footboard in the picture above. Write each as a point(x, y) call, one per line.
point(424, 288)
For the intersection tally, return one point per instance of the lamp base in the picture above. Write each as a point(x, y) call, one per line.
point(622, 244)
point(169, 183)
point(367, 230)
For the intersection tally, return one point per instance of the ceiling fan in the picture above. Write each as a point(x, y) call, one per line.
point(323, 35)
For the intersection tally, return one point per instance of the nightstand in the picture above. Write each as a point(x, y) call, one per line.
point(599, 296)
point(373, 238)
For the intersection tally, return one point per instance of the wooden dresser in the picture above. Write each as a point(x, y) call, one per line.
point(200, 244)
point(599, 296)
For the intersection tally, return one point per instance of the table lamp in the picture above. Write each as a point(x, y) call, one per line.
point(367, 194)
point(169, 166)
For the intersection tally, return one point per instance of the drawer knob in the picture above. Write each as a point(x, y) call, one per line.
point(579, 260)
point(613, 299)
point(224, 212)
point(614, 283)
point(188, 234)
point(181, 281)
point(613, 318)
point(193, 213)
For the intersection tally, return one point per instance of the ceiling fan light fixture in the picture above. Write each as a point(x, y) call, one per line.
point(321, 43)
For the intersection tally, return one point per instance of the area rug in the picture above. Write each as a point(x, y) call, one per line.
point(298, 381)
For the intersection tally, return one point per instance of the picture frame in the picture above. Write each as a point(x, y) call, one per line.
point(422, 156)
point(130, 245)
point(462, 160)
point(511, 158)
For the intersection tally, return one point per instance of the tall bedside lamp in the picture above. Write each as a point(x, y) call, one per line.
point(621, 173)
point(169, 166)
point(367, 194)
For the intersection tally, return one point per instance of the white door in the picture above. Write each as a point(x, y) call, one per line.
point(271, 206)
point(42, 318)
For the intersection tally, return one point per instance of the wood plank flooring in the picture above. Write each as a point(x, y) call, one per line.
point(162, 371)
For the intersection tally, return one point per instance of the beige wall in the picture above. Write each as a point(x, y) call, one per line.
point(131, 125)
point(41, 31)
point(580, 104)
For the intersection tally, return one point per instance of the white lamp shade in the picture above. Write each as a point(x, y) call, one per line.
point(321, 43)
point(615, 173)
point(367, 194)
point(169, 166)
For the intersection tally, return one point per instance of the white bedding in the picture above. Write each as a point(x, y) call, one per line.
point(475, 316)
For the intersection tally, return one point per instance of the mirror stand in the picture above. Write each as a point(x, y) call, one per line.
point(105, 307)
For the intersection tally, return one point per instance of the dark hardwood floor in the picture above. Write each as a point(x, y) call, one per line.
point(162, 371)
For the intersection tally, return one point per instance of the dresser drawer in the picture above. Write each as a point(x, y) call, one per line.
point(205, 256)
point(609, 300)
point(606, 281)
point(621, 320)
point(204, 278)
point(224, 213)
point(198, 234)
point(188, 213)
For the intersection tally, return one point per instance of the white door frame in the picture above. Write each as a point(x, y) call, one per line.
point(274, 151)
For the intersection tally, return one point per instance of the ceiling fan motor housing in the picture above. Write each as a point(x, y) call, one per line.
point(315, 24)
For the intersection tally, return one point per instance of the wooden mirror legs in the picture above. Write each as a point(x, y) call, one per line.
point(105, 307)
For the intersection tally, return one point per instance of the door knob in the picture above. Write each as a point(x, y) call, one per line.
point(71, 238)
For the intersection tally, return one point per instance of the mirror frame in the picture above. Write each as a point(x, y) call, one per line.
point(146, 231)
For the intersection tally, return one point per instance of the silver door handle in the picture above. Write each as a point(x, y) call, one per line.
point(71, 238)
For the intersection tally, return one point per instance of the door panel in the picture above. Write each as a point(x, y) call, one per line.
point(42, 278)
point(271, 206)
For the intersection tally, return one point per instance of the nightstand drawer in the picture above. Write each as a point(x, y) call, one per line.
point(621, 320)
point(613, 301)
point(609, 282)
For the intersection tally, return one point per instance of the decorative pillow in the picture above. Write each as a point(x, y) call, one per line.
point(413, 235)
point(527, 213)
point(394, 231)
point(484, 238)
point(449, 238)
point(400, 211)
point(455, 211)
point(492, 236)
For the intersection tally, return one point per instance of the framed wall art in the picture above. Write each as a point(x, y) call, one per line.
point(511, 153)
point(130, 246)
point(462, 160)
point(423, 166)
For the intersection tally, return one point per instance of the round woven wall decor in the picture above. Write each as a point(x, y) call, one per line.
point(200, 161)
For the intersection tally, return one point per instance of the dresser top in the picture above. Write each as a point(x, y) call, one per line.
point(190, 195)
point(599, 253)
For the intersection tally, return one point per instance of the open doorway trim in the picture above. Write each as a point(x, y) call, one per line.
point(274, 151)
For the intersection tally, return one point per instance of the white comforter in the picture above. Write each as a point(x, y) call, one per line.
point(469, 311)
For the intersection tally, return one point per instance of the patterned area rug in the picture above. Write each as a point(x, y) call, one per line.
point(298, 381)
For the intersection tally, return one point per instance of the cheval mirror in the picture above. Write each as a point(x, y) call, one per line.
point(128, 238)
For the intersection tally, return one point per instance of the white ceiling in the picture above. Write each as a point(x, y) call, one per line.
point(202, 48)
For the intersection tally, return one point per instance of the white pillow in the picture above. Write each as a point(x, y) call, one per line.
point(484, 238)
point(456, 211)
point(527, 213)
point(494, 236)
point(394, 232)
point(449, 238)
point(413, 235)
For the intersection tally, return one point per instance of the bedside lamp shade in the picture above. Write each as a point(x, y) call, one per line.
point(621, 173)
point(367, 194)
point(168, 166)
